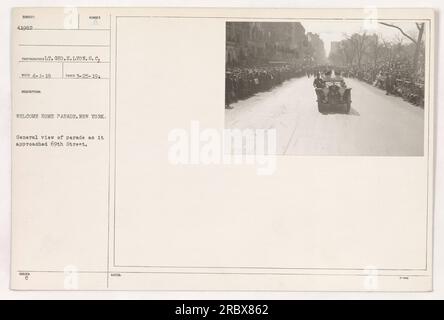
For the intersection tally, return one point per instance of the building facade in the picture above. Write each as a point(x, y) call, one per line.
point(261, 43)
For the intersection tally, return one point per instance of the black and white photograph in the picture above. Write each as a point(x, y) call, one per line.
point(217, 152)
point(329, 87)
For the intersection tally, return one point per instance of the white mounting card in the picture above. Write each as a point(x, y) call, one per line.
point(222, 149)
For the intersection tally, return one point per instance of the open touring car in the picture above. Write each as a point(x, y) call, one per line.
point(332, 95)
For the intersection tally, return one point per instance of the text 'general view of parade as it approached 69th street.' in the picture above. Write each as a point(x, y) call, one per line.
point(329, 87)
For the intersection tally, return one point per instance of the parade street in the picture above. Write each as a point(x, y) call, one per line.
point(378, 125)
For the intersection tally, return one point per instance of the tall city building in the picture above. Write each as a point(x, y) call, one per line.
point(259, 43)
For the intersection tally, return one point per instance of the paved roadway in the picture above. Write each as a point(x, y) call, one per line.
point(377, 125)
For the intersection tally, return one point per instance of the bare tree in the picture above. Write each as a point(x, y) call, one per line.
point(417, 41)
point(376, 50)
point(358, 43)
point(347, 52)
point(389, 50)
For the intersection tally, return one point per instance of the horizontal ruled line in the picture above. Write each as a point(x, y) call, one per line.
point(225, 273)
point(36, 61)
point(64, 45)
point(61, 29)
point(29, 78)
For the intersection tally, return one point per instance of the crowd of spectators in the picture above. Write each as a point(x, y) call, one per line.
point(398, 79)
point(241, 83)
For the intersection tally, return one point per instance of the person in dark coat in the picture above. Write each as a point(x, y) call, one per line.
point(318, 82)
point(389, 84)
point(229, 90)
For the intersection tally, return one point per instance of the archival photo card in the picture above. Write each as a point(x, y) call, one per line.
point(222, 149)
